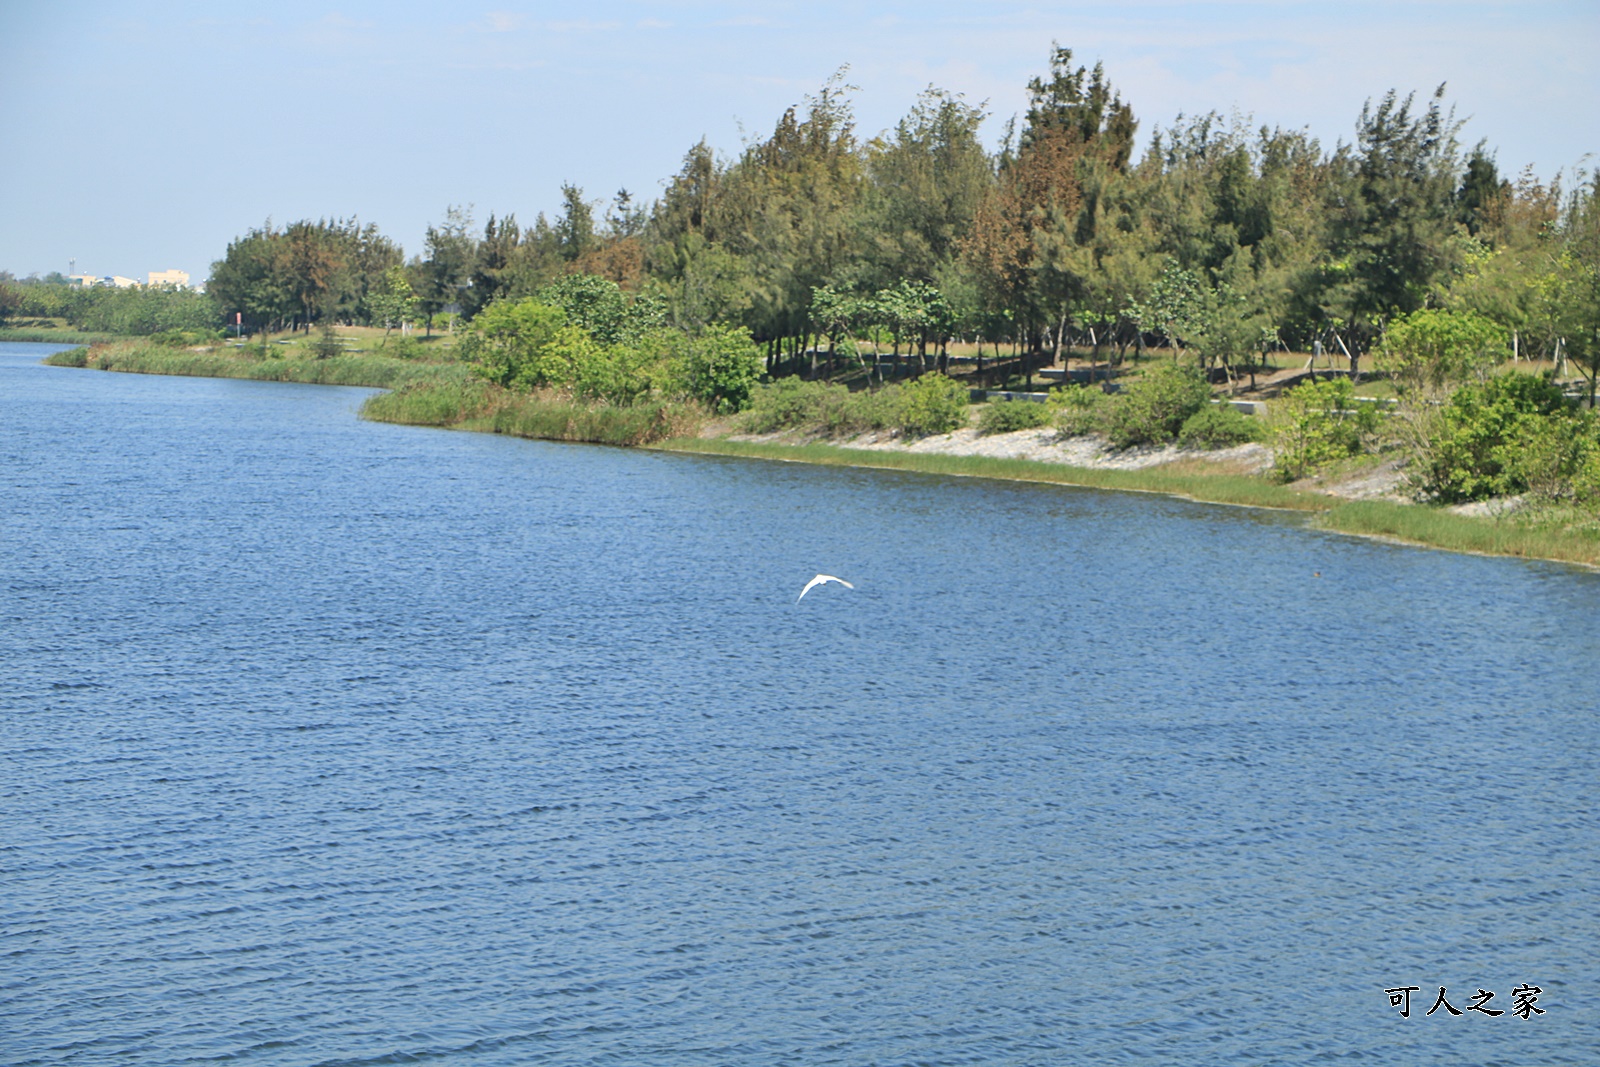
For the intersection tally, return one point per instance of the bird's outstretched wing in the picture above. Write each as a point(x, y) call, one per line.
point(821, 579)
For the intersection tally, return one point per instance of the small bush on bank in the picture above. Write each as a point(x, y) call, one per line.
point(1319, 423)
point(791, 404)
point(1008, 416)
point(327, 345)
point(186, 338)
point(552, 418)
point(403, 348)
point(868, 410)
point(142, 357)
point(932, 404)
point(1514, 433)
point(1153, 409)
point(1080, 410)
point(429, 403)
point(1217, 426)
point(72, 357)
point(718, 366)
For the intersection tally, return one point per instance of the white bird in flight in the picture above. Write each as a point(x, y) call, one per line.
point(821, 579)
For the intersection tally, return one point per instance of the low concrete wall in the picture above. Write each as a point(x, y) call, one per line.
point(980, 395)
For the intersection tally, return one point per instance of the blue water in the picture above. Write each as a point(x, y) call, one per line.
point(330, 742)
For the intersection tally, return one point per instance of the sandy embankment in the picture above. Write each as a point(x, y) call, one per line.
point(1385, 482)
point(1040, 445)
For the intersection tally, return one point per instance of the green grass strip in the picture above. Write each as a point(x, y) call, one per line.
point(1416, 524)
point(57, 337)
point(381, 372)
point(478, 406)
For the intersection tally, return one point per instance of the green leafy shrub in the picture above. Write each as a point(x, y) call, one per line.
point(869, 410)
point(1319, 423)
point(574, 362)
point(422, 403)
point(1079, 410)
point(1217, 426)
point(186, 338)
point(718, 367)
point(1555, 457)
point(1514, 433)
point(403, 348)
point(139, 311)
point(1153, 409)
point(72, 357)
point(790, 404)
point(1431, 347)
point(596, 304)
point(555, 419)
point(932, 404)
point(327, 345)
point(1007, 416)
point(507, 339)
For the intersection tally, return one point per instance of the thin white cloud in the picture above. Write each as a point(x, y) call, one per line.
point(505, 21)
point(582, 26)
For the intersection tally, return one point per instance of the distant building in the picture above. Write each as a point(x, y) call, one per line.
point(116, 281)
point(178, 278)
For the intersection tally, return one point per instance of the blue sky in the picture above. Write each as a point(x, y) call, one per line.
point(146, 136)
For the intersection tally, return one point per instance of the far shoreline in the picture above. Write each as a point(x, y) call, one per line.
point(1404, 523)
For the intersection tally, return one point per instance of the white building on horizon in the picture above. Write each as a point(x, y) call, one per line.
point(156, 279)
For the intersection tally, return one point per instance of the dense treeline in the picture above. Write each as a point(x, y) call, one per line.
point(105, 310)
point(1218, 239)
point(1221, 240)
point(1399, 250)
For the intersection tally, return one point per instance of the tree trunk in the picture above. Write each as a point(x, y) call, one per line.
point(1348, 355)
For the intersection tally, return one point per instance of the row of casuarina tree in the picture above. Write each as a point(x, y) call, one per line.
point(1218, 239)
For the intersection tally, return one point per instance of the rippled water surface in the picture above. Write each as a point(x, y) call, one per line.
point(329, 742)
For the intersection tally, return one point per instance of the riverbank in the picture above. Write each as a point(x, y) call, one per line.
point(1222, 477)
point(445, 395)
point(32, 335)
point(442, 394)
point(372, 370)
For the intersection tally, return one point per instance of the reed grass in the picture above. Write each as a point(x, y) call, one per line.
point(1532, 537)
point(57, 337)
point(72, 357)
point(436, 403)
point(476, 405)
point(376, 371)
point(554, 419)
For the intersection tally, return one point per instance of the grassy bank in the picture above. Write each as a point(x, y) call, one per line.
point(1538, 535)
point(445, 395)
point(57, 337)
point(383, 372)
point(476, 405)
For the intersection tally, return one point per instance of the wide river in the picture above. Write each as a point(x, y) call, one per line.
point(326, 742)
